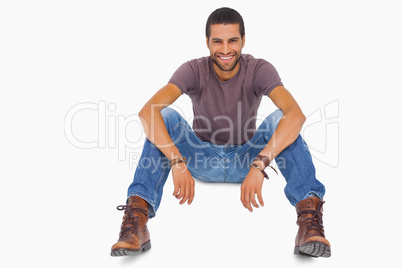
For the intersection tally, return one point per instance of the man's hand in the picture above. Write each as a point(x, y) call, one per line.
point(183, 183)
point(252, 185)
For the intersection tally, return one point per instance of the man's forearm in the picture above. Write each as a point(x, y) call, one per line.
point(156, 131)
point(285, 134)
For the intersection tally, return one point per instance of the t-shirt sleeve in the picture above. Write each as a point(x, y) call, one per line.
point(185, 78)
point(266, 79)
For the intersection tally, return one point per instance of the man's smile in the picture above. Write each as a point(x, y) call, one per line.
point(226, 59)
point(226, 63)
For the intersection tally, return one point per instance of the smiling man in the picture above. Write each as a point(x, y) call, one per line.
point(224, 144)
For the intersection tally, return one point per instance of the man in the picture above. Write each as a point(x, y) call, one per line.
point(224, 145)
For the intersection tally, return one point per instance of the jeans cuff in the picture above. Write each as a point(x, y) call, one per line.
point(151, 206)
point(313, 194)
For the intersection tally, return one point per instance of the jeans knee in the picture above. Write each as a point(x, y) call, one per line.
point(170, 115)
point(168, 112)
point(275, 117)
point(174, 122)
point(271, 121)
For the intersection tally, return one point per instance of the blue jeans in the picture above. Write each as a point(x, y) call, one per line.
point(222, 163)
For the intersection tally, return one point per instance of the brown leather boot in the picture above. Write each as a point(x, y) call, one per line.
point(134, 234)
point(310, 239)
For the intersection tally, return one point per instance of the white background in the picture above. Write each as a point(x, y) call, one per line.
point(58, 201)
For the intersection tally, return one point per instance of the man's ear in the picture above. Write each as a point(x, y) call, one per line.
point(207, 41)
point(244, 41)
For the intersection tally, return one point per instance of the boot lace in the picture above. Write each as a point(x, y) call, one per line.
point(130, 219)
point(314, 222)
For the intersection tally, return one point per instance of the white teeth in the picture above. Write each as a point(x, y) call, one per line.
point(226, 58)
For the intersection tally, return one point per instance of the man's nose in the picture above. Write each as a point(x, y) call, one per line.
point(225, 48)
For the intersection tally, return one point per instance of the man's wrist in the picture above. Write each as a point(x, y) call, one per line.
point(253, 165)
point(178, 160)
point(259, 163)
point(263, 161)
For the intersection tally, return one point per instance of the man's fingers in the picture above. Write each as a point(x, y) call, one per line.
point(247, 202)
point(252, 199)
point(180, 193)
point(260, 200)
point(245, 199)
point(250, 188)
point(192, 190)
point(186, 195)
point(176, 190)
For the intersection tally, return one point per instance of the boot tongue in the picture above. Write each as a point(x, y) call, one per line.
point(310, 208)
point(311, 203)
point(138, 207)
point(137, 202)
point(314, 208)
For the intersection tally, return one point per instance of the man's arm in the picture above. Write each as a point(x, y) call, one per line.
point(156, 131)
point(152, 120)
point(285, 134)
point(290, 125)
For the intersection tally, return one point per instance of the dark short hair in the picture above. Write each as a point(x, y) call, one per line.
point(224, 15)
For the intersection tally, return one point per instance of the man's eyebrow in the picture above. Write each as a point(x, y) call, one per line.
point(220, 39)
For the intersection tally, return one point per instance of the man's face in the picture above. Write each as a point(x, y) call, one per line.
point(225, 45)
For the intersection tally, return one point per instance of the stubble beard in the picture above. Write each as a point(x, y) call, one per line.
point(230, 68)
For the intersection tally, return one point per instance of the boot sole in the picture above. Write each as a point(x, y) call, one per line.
point(126, 252)
point(314, 249)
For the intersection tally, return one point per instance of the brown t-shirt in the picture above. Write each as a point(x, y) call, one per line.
point(225, 112)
